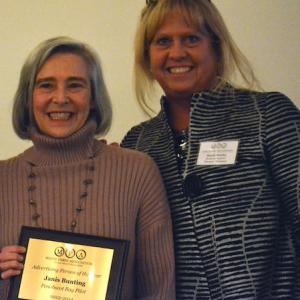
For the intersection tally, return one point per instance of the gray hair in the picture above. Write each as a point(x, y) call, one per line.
point(22, 108)
point(203, 15)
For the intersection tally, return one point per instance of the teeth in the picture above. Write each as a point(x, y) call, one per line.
point(60, 115)
point(177, 70)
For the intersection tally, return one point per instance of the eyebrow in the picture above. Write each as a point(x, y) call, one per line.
point(72, 78)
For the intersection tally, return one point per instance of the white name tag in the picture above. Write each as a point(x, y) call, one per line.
point(217, 153)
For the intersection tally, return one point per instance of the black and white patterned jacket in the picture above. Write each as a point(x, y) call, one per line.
point(239, 237)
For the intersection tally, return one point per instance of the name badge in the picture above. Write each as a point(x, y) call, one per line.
point(217, 153)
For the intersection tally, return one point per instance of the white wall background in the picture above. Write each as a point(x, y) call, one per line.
point(267, 31)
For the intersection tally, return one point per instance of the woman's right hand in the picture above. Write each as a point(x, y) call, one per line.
point(11, 259)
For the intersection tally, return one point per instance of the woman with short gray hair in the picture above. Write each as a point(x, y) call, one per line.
point(70, 181)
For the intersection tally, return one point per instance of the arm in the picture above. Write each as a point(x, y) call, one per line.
point(155, 278)
point(283, 153)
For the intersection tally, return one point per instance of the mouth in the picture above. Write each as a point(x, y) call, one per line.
point(179, 70)
point(60, 115)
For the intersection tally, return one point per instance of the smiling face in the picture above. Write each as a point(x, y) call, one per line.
point(182, 59)
point(62, 95)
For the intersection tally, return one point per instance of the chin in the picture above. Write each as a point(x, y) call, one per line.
point(59, 135)
point(179, 93)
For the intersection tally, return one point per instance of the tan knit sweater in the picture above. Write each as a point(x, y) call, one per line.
point(126, 201)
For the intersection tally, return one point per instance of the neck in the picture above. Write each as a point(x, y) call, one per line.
point(51, 151)
point(179, 113)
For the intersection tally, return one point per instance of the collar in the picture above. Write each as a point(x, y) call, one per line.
point(219, 98)
point(53, 151)
point(215, 96)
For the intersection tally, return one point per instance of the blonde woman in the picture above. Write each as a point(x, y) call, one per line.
point(229, 157)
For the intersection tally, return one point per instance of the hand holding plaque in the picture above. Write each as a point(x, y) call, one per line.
point(63, 265)
point(11, 261)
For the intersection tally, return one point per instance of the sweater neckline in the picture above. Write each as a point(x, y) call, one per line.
point(47, 151)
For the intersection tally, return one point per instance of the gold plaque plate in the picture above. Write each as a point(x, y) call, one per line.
point(67, 266)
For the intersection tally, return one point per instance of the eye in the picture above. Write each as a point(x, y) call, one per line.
point(76, 85)
point(163, 42)
point(45, 85)
point(192, 40)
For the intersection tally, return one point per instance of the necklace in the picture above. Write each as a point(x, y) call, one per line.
point(180, 141)
point(85, 188)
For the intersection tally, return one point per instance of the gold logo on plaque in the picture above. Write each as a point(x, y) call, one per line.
point(59, 251)
point(70, 253)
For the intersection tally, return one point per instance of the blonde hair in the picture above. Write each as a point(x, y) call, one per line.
point(201, 14)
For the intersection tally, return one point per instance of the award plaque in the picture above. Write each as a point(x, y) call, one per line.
point(67, 266)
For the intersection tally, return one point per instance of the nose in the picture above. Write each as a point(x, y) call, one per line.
point(60, 95)
point(177, 51)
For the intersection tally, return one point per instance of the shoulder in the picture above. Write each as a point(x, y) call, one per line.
point(269, 98)
point(146, 125)
point(268, 102)
point(136, 133)
point(12, 160)
point(280, 101)
point(277, 105)
point(133, 134)
point(137, 167)
point(279, 115)
point(125, 155)
point(11, 166)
